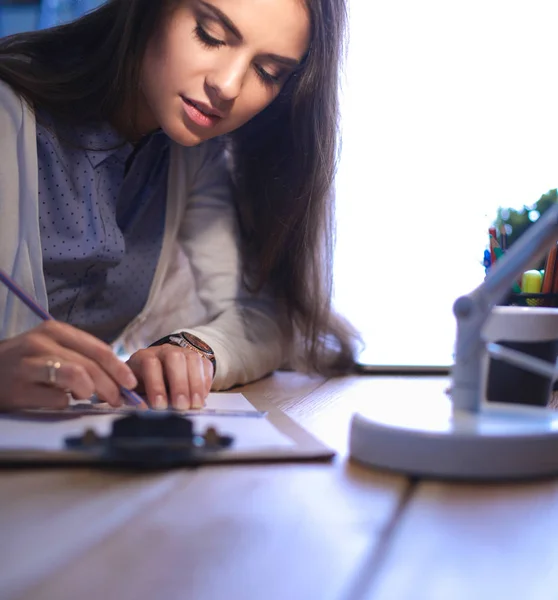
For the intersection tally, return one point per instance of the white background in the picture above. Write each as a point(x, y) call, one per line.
point(449, 110)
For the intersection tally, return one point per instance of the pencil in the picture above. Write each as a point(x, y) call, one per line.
point(131, 396)
point(549, 274)
point(493, 240)
point(554, 288)
point(503, 238)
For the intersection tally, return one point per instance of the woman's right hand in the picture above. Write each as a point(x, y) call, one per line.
point(39, 367)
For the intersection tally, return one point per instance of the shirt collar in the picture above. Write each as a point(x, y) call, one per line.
point(102, 141)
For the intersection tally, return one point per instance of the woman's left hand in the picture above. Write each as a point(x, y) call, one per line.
point(172, 376)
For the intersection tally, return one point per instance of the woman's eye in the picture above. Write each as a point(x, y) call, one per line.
point(209, 41)
point(206, 39)
point(267, 77)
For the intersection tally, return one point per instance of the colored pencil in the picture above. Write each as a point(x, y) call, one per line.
point(550, 273)
point(493, 240)
point(503, 238)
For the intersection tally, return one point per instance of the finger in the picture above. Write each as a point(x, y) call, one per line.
point(67, 376)
point(44, 347)
point(176, 374)
point(94, 349)
point(42, 396)
point(196, 379)
point(105, 387)
point(149, 370)
point(209, 372)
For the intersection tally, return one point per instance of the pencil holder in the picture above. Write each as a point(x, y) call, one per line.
point(531, 300)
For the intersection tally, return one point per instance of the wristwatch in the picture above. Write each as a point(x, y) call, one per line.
point(191, 342)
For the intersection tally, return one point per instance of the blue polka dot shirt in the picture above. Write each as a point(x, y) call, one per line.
point(102, 212)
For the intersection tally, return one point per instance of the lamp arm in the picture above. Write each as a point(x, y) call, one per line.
point(472, 310)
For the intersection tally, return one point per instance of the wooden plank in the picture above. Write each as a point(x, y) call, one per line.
point(283, 388)
point(251, 532)
point(273, 532)
point(465, 541)
point(49, 517)
point(333, 404)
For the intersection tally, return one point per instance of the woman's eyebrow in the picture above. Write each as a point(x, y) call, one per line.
point(222, 17)
point(288, 62)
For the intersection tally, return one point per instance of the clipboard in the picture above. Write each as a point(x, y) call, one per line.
point(258, 432)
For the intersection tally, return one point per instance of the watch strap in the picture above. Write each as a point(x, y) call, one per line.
point(181, 340)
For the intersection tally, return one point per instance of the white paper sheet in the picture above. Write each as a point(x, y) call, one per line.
point(228, 401)
point(38, 431)
point(216, 402)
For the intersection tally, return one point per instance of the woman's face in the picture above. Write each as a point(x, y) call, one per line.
point(217, 63)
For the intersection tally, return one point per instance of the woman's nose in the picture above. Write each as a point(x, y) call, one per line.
point(227, 79)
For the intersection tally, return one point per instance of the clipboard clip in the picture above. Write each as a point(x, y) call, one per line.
point(151, 440)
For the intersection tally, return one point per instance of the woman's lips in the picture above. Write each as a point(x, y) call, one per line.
point(198, 116)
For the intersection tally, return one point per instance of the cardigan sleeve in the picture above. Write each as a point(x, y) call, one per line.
point(20, 248)
point(246, 331)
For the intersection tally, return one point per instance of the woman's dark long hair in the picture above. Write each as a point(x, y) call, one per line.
point(284, 159)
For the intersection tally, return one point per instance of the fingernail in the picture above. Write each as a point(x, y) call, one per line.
point(131, 381)
point(160, 402)
point(182, 402)
point(197, 402)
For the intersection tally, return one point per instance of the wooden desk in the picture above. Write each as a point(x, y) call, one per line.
point(286, 531)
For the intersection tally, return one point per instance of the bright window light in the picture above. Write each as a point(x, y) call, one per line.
point(449, 111)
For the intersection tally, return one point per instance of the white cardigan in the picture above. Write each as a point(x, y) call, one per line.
point(197, 284)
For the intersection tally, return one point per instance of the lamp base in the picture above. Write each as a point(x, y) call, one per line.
point(501, 442)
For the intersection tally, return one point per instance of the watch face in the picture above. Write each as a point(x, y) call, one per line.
point(199, 344)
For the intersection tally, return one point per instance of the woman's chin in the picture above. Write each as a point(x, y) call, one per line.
point(184, 136)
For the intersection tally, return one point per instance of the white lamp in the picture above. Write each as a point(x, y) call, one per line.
point(464, 438)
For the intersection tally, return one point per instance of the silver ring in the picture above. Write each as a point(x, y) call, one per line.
point(52, 368)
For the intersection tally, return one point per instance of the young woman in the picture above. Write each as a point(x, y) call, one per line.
point(165, 193)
